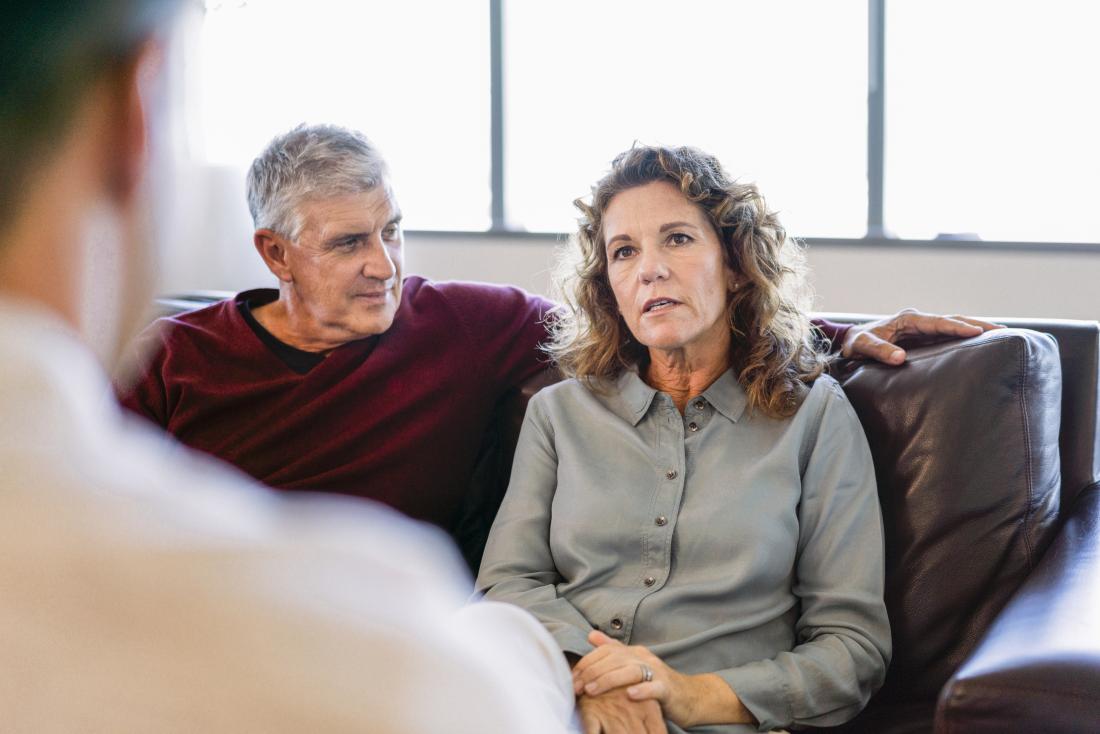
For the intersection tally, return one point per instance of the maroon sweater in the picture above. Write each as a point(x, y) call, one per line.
point(397, 417)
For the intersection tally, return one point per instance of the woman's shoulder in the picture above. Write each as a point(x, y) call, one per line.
point(562, 393)
point(825, 396)
point(573, 396)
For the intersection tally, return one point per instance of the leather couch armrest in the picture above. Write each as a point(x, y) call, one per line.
point(1038, 667)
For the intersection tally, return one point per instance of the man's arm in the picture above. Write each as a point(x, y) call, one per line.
point(879, 339)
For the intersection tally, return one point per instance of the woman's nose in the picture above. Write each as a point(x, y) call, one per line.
point(652, 267)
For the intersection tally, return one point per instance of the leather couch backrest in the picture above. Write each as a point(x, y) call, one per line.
point(1079, 349)
point(965, 442)
point(1079, 354)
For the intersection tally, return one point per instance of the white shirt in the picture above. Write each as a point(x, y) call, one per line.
point(147, 588)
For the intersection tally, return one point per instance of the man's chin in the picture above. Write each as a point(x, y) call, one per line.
point(377, 322)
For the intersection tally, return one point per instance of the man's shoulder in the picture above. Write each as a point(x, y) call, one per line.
point(472, 295)
point(218, 322)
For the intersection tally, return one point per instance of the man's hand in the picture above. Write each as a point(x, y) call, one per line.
point(878, 339)
point(688, 700)
point(614, 712)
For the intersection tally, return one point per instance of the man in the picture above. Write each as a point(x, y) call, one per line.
point(352, 378)
point(147, 588)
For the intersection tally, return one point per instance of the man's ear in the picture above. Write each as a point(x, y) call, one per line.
point(131, 87)
point(273, 249)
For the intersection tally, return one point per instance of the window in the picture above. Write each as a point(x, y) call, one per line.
point(412, 75)
point(757, 84)
point(992, 115)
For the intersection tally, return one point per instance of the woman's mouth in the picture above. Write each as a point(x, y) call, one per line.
point(658, 305)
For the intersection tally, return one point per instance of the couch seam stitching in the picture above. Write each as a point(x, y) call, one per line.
point(1030, 459)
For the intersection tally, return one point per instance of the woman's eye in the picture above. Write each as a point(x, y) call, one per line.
point(679, 238)
point(624, 251)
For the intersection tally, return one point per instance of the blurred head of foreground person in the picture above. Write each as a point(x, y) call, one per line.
point(146, 588)
point(74, 93)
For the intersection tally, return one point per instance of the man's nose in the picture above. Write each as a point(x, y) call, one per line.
point(379, 264)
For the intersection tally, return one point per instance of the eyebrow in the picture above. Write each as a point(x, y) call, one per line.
point(674, 225)
point(664, 228)
point(336, 239)
point(395, 219)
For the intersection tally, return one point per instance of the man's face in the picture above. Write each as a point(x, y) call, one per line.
point(345, 267)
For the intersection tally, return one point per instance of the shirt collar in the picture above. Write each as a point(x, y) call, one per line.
point(635, 394)
point(726, 395)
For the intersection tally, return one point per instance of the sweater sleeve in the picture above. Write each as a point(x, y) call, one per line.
point(842, 634)
point(146, 394)
point(832, 331)
point(507, 325)
point(518, 566)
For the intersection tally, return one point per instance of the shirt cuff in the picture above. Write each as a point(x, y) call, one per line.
point(571, 639)
point(762, 691)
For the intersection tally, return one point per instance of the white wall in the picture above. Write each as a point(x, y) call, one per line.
point(855, 279)
point(858, 279)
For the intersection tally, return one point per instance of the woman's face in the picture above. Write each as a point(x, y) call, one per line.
point(665, 266)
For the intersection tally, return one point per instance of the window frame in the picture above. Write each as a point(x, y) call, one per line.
point(876, 236)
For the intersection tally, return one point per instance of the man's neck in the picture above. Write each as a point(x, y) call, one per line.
point(292, 327)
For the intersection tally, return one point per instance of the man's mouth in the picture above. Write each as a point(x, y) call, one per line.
point(656, 305)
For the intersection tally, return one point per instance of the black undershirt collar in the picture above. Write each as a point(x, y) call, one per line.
point(298, 360)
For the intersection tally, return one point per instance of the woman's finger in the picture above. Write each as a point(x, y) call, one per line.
point(590, 722)
point(655, 690)
point(603, 667)
point(617, 678)
point(599, 639)
point(592, 658)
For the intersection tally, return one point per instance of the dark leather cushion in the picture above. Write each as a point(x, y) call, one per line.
point(965, 443)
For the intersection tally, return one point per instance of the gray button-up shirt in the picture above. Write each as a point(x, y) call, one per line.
point(726, 542)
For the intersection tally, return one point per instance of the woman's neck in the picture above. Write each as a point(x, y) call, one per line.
point(684, 373)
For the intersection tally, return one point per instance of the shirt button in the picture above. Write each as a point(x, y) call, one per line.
point(699, 405)
point(693, 426)
point(616, 624)
point(670, 474)
point(650, 581)
point(661, 521)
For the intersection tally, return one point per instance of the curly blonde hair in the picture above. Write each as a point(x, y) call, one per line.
point(773, 351)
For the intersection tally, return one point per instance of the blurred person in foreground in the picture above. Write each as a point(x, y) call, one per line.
point(147, 588)
point(694, 514)
point(352, 376)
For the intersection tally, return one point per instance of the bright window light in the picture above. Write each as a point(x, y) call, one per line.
point(412, 75)
point(777, 90)
point(992, 120)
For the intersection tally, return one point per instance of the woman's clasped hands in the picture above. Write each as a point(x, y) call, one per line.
point(636, 675)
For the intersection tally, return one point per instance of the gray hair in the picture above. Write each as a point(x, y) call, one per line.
point(309, 162)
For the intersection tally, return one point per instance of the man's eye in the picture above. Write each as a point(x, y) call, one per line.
point(350, 243)
point(390, 233)
point(622, 252)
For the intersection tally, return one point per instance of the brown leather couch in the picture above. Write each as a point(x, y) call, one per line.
point(988, 463)
point(987, 455)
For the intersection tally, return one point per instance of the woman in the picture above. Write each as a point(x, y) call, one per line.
point(694, 515)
